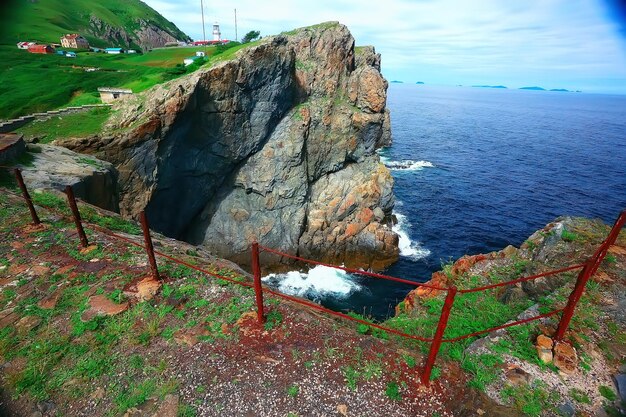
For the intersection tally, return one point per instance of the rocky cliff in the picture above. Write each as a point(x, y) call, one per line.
point(276, 144)
point(145, 33)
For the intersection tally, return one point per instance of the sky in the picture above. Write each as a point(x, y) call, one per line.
point(573, 44)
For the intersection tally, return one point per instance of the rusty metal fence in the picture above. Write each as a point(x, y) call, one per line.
point(587, 270)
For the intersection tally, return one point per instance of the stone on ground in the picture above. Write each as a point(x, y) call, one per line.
point(565, 358)
point(100, 305)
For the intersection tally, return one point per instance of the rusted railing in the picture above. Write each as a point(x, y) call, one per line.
point(588, 268)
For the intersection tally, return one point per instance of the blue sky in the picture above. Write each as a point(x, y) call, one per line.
point(573, 44)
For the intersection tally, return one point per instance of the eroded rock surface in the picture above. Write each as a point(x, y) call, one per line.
point(276, 145)
point(54, 168)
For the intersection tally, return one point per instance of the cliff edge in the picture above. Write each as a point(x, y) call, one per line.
point(274, 144)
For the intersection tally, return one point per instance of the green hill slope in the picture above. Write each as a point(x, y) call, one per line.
point(124, 23)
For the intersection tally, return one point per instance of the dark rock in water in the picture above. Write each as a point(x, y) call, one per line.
point(276, 145)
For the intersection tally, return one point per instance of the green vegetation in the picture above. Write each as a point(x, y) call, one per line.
point(250, 36)
point(579, 396)
point(71, 125)
point(319, 26)
point(48, 82)
point(607, 393)
point(393, 391)
point(293, 390)
point(568, 236)
point(71, 85)
point(46, 21)
point(530, 400)
point(483, 368)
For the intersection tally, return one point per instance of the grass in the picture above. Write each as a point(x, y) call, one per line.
point(568, 236)
point(483, 368)
point(393, 391)
point(293, 391)
point(72, 125)
point(607, 392)
point(579, 396)
point(46, 21)
point(72, 84)
point(532, 400)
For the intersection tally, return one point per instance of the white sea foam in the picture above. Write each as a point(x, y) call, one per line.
point(408, 248)
point(321, 281)
point(406, 165)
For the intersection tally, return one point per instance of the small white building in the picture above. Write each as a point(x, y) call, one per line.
point(190, 60)
point(200, 53)
point(24, 45)
point(108, 94)
point(131, 51)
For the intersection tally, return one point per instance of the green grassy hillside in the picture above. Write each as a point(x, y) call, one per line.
point(48, 20)
point(32, 82)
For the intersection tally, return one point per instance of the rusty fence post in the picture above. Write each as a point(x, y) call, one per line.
point(29, 201)
point(437, 340)
point(76, 214)
point(258, 288)
point(590, 268)
point(149, 248)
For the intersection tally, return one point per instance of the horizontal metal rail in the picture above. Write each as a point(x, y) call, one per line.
point(504, 326)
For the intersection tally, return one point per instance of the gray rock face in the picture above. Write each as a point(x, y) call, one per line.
point(276, 145)
point(54, 168)
point(148, 34)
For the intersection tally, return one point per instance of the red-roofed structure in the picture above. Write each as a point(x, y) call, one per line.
point(40, 49)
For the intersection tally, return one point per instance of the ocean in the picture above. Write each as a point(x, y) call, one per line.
point(476, 170)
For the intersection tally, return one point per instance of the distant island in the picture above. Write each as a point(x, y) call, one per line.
point(565, 90)
point(420, 82)
point(397, 82)
point(489, 86)
point(535, 88)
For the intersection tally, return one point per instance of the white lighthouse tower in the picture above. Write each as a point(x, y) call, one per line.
point(217, 35)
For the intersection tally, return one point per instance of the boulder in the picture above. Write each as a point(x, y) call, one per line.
point(54, 168)
point(565, 358)
point(26, 324)
point(544, 348)
point(517, 376)
point(143, 289)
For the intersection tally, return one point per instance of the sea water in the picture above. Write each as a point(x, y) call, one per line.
point(476, 170)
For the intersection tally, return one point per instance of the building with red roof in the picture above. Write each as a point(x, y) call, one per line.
point(40, 49)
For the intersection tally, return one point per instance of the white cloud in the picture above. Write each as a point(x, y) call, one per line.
point(562, 42)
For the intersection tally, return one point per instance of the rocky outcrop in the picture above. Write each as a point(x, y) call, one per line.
point(545, 250)
point(276, 145)
point(145, 32)
point(53, 168)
